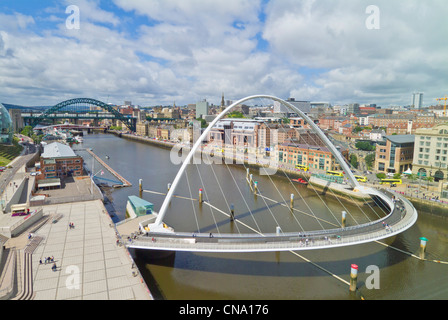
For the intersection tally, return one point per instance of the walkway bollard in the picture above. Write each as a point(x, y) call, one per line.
point(292, 201)
point(140, 188)
point(423, 242)
point(250, 179)
point(256, 187)
point(247, 173)
point(232, 212)
point(353, 277)
point(200, 195)
point(344, 219)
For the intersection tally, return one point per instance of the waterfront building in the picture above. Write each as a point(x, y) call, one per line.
point(314, 157)
point(394, 154)
point(6, 127)
point(59, 160)
point(141, 128)
point(245, 134)
point(431, 152)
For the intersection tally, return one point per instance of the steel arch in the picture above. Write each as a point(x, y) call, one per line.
point(127, 121)
point(195, 147)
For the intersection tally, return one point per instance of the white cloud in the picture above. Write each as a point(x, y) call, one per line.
point(191, 49)
point(369, 65)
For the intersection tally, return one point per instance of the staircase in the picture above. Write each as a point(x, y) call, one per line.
point(25, 264)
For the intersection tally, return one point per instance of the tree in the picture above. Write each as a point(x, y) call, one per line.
point(27, 131)
point(235, 114)
point(354, 161)
point(203, 122)
point(364, 145)
point(369, 159)
point(413, 177)
point(381, 175)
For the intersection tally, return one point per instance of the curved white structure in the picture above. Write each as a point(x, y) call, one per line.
point(402, 216)
point(331, 147)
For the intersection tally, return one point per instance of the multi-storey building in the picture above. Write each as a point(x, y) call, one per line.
point(431, 152)
point(58, 160)
point(141, 128)
point(314, 157)
point(394, 153)
point(331, 122)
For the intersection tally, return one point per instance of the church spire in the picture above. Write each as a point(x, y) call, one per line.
point(223, 104)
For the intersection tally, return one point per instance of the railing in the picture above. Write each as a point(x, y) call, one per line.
point(8, 275)
point(402, 216)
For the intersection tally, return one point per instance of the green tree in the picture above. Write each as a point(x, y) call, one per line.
point(203, 122)
point(364, 145)
point(354, 161)
point(27, 131)
point(369, 159)
point(235, 114)
point(381, 175)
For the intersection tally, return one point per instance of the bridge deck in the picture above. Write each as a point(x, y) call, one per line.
point(401, 218)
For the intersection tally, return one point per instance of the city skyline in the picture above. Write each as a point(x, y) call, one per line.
point(154, 52)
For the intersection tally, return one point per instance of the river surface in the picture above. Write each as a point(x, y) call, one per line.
point(272, 275)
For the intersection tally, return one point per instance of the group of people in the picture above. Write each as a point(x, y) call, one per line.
point(71, 225)
point(49, 260)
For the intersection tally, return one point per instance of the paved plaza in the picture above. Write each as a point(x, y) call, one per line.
point(89, 263)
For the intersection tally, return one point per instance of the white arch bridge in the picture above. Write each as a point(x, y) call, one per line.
point(154, 234)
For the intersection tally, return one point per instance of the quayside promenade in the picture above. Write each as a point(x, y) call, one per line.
point(76, 232)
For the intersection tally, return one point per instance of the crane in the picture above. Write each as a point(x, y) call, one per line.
point(444, 108)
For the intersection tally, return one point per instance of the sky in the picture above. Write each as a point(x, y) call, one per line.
point(182, 51)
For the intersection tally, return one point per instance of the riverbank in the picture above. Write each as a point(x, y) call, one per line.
point(76, 231)
point(436, 207)
point(265, 275)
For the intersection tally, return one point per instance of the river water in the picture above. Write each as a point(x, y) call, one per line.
point(272, 275)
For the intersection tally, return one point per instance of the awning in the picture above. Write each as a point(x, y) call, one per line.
point(409, 171)
point(46, 183)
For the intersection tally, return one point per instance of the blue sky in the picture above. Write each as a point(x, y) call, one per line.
point(156, 52)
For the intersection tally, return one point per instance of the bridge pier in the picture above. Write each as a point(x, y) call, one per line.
point(140, 188)
point(423, 242)
point(353, 277)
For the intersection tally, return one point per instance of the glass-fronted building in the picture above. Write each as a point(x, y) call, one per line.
point(6, 130)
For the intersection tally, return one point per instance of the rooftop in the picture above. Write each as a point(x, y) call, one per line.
point(58, 150)
point(404, 138)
